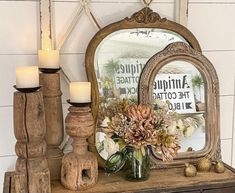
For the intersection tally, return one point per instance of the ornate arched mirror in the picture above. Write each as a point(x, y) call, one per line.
point(115, 58)
point(186, 81)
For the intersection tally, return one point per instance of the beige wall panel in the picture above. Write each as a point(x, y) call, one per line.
point(226, 116)
point(7, 142)
point(224, 63)
point(19, 29)
point(73, 65)
point(212, 25)
point(226, 146)
point(8, 63)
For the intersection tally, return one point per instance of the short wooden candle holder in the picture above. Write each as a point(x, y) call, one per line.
point(79, 167)
point(31, 173)
point(54, 120)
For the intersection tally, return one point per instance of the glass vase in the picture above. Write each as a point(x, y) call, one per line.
point(137, 166)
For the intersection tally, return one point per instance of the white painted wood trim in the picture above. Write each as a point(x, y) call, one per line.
point(45, 24)
point(46, 28)
point(181, 11)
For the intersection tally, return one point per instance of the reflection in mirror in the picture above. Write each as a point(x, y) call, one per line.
point(119, 60)
point(188, 80)
point(181, 86)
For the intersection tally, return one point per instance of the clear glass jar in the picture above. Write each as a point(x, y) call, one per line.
point(137, 167)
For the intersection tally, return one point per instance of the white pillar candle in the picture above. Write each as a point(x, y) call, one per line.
point(49, 59)
point(80, 92)
point(27, 77)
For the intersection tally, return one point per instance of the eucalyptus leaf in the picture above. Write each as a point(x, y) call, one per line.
point(100, 146)
point(138, 155)
point(121, 143)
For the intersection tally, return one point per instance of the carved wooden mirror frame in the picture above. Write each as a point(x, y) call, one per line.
point(145, 18)
point(183, 52)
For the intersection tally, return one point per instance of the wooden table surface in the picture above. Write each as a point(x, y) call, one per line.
point(165, 179)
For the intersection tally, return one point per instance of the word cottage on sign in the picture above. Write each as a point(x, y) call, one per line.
point(127, 75)
point(177, 89)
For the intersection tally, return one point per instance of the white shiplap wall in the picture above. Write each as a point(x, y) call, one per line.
point(210, 20)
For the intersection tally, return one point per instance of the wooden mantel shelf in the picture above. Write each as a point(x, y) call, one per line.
point(165, 180)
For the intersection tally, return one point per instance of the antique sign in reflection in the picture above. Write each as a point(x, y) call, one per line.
point(181, 86)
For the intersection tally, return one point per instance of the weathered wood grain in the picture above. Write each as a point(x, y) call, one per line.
point(165, 180)
point(54, 121)
point(31, 173)
point(80, 167)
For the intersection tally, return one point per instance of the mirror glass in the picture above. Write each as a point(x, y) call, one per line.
point(181, 86)
point(119, 60)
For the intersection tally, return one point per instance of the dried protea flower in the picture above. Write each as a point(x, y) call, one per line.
point(140, 112)
point(141, 129)
point(140, 135)
point(167, 144)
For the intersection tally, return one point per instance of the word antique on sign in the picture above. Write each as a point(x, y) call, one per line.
point(177, 89)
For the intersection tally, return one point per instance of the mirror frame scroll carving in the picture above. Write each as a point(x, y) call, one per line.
point(181, 51)
point(145, 18)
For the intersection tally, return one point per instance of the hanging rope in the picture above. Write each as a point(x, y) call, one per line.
point(74, 22)
point(146, 3)
point(88, 12)
point(70, 29)
point(84, 4)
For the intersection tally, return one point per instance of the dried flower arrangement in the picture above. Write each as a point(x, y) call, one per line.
point(139, 126)
point(124, 125)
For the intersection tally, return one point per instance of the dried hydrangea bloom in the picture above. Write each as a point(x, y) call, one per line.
point(167, 144)
point(119, 124)
point(110, 107)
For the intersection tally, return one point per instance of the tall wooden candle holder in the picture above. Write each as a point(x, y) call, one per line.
point(79, 167)
point(50, 81)
point(31, 173)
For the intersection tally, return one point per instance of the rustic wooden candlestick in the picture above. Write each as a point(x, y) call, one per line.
point(79, 167)
point(31, 173)
point(54, 121)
